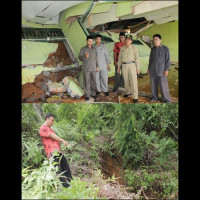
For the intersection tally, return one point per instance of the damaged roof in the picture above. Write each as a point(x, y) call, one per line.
point(48, 12)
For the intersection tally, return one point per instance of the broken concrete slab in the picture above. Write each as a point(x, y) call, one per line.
point(56, 87)
point(54, 99)
point(73, 87)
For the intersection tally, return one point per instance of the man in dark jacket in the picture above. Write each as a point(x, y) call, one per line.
point(159, 64)
point(88, 56)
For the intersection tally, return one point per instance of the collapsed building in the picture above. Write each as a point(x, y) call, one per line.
point(54, 32)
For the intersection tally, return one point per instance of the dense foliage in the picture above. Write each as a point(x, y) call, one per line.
point(143, 136)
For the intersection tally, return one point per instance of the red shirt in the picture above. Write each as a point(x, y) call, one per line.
point(117, 48)
point(50, 145)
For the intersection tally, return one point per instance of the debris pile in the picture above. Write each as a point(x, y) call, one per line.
point(72, 86)
point(33, 92)
point(37, 91)
point(57, 76)
point(58, 58)
point(69, 85)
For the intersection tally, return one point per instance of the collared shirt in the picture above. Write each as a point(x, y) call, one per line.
point(91, 63)
point(117, 48)
point(159, 60)
point(103, 55)
point(50, 145)
point(128, 54)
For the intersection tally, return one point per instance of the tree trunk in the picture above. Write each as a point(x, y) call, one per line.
point(38, 109)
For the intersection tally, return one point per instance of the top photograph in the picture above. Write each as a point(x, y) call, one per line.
point(99, 52)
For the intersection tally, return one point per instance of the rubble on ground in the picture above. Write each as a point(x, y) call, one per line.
point(33, 92)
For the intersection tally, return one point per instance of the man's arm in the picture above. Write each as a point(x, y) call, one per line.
point(137, 62)
point(107, 58)
point(57, 138)
point(81, 55)
point(107, 55)
point(97, 61)
point(150, 59)
point(167, 60)
point(115, 54)
point(119, 61)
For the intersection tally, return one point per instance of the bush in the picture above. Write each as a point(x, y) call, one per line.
point(44, 183)
point(32, 152)
point(159, 184)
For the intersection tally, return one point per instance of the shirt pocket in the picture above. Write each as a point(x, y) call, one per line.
point(161, 57)
point(130, 56)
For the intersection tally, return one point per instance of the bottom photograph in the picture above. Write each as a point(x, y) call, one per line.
point(99, 151)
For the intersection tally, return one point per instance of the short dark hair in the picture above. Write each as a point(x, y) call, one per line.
point(90, 37)
point(157, 35)
point(122, 34)
point(49, 115)
point(98, 35)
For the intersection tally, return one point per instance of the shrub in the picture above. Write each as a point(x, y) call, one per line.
point(44, 183)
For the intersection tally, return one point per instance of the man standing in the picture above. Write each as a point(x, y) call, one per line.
point(52, 148)
point(103, 58)
point(119, 80)
point(159, 64)
point(88, 56)
point(129, 59)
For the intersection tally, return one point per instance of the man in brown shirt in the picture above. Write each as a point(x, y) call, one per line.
point(129, 60)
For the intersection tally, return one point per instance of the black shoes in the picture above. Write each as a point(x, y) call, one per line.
point(166, 101)
point(95, 96)
point(135, 100)
point(126, 95)
point(106, 93)
point(153, 100)
point(87, 98)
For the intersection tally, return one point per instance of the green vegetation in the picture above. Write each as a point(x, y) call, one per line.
point(143, 137)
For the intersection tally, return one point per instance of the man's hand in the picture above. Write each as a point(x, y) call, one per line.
point(87, 55)
point(108, 67)
point(147, 71)
point(65, 143)
point(118, 70)
point(97, 69)
point(115, 63)
point(165, 73)
point(138, 71)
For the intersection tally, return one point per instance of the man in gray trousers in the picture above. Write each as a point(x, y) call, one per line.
point(104, 59)
point(88, 56)
point(159, 64)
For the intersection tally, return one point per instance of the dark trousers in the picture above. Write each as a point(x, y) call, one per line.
point(63, 166)
point(162, 82)
point(89, 83)
point(119, 80)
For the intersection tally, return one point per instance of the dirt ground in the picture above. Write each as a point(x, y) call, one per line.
point(33, 93)
point(145, 86)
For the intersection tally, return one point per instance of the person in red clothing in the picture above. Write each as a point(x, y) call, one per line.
point(52, 148)
point(119, 80)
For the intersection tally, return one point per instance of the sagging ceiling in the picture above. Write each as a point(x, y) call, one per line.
point(45, 12)
point(48, 12)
